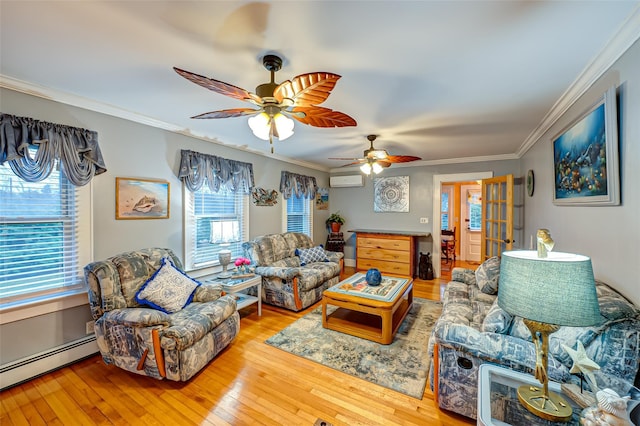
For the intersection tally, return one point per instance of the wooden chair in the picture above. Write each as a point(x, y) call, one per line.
point(448, 244)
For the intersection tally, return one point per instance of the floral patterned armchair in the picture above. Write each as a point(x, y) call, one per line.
point(150, 341)
point(294, 272)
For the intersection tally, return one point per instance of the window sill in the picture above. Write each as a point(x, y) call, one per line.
point(32, 308)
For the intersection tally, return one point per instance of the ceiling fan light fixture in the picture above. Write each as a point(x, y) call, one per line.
point(260, 125)
point(377, 168)
point(284, 126)
point(366, 168)
point(263, 126)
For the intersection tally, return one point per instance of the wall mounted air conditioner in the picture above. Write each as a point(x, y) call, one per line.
point(346, 181)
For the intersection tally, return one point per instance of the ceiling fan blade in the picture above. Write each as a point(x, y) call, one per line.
point(384, 163)
point(307, 89)
point(353, 164)
point(220, 87)
point(322, 117)
point(401, 158)
point(346, 159)
point(227, 113)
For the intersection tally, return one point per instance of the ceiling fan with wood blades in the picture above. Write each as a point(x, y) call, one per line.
point(276, 104)
point(375, 159)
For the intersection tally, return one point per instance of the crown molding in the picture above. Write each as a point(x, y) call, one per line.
point(625, 37)
point(103, 108)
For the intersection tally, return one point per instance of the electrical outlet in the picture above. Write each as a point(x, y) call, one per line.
point(90, 327)
point(424, 220)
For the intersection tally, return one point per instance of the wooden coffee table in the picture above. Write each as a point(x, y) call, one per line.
point(370, 316)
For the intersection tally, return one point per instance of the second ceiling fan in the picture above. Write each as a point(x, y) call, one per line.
point(376, 160)
point(297, 98)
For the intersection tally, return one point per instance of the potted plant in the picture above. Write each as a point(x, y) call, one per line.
point(335, 221)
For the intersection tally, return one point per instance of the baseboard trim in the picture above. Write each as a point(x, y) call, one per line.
point(27, 368)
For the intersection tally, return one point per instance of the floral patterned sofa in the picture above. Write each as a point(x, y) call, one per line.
point(287, 280)
point(473, 330)
point(155, 341)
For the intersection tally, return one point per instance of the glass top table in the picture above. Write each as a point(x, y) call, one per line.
point(498, 399)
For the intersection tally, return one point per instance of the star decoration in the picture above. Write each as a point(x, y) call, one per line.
point(582, 364)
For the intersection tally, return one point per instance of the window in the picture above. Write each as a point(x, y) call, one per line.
point(298, 216)
point(446, 206)
point(44, 236)
point(203, 207)
point(475, 210)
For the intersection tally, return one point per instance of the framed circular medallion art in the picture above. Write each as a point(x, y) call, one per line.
point(391, 194)
point(530, 183)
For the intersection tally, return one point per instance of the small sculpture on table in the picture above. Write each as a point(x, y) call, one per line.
point(373, 277)
point(610, 411)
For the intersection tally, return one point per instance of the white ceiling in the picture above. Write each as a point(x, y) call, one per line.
point(441, 80)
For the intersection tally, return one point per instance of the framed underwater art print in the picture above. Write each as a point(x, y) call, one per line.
point(142, 198)
point(585, 157)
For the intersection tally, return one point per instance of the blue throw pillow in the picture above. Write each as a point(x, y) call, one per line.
point(310, 255)
point(168, 290)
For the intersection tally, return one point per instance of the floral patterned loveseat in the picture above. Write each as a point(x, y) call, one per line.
point(287, 280)
point(473, 330)
point(156, 341)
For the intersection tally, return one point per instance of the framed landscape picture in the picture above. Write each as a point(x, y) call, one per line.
point(585, 157)
point(142, 198)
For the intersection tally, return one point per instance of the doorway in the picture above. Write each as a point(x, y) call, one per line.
point(471, 221)
point(438, 181)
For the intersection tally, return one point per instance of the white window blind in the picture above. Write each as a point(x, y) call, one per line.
point(44, 242)
point(203, 207)
point(298, 216)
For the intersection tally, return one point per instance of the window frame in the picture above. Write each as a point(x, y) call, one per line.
point(189, 220)
point(449, 190)
point(31, 304)
point(309, 216)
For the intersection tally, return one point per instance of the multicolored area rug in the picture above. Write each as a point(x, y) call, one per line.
point(401, 366)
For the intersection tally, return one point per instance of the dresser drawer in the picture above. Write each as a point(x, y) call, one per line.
point(384, 243)
point(385, 267)
point(382, 254)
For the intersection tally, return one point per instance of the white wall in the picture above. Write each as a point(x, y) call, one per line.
point(609, 235)
point(134, 150)
point(356, 204)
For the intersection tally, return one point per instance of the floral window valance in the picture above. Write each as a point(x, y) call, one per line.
point(197, 168)
point(300, 185)
point(76, 149)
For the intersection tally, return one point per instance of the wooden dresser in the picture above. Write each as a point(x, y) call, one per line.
point(389, 252)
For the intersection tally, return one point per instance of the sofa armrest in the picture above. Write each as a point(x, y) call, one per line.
point(278, 272)
point(496, 348)
point(137, 317)
point(334, 256)
point(207, 293)
point(464, 275)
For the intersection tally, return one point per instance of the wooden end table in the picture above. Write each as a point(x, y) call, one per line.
point(368, 316)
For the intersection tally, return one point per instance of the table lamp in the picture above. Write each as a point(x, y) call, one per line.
point(223, 233)
point(547, 292)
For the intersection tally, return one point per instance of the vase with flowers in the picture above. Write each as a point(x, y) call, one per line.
point(242, 265)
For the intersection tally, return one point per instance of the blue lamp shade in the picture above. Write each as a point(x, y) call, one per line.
point(558, 289)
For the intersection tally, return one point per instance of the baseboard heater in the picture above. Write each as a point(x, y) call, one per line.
point(32, 366)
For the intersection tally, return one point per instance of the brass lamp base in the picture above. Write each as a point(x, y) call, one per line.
point(551, 407)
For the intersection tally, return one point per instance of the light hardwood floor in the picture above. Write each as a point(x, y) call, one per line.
point(249, 383)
